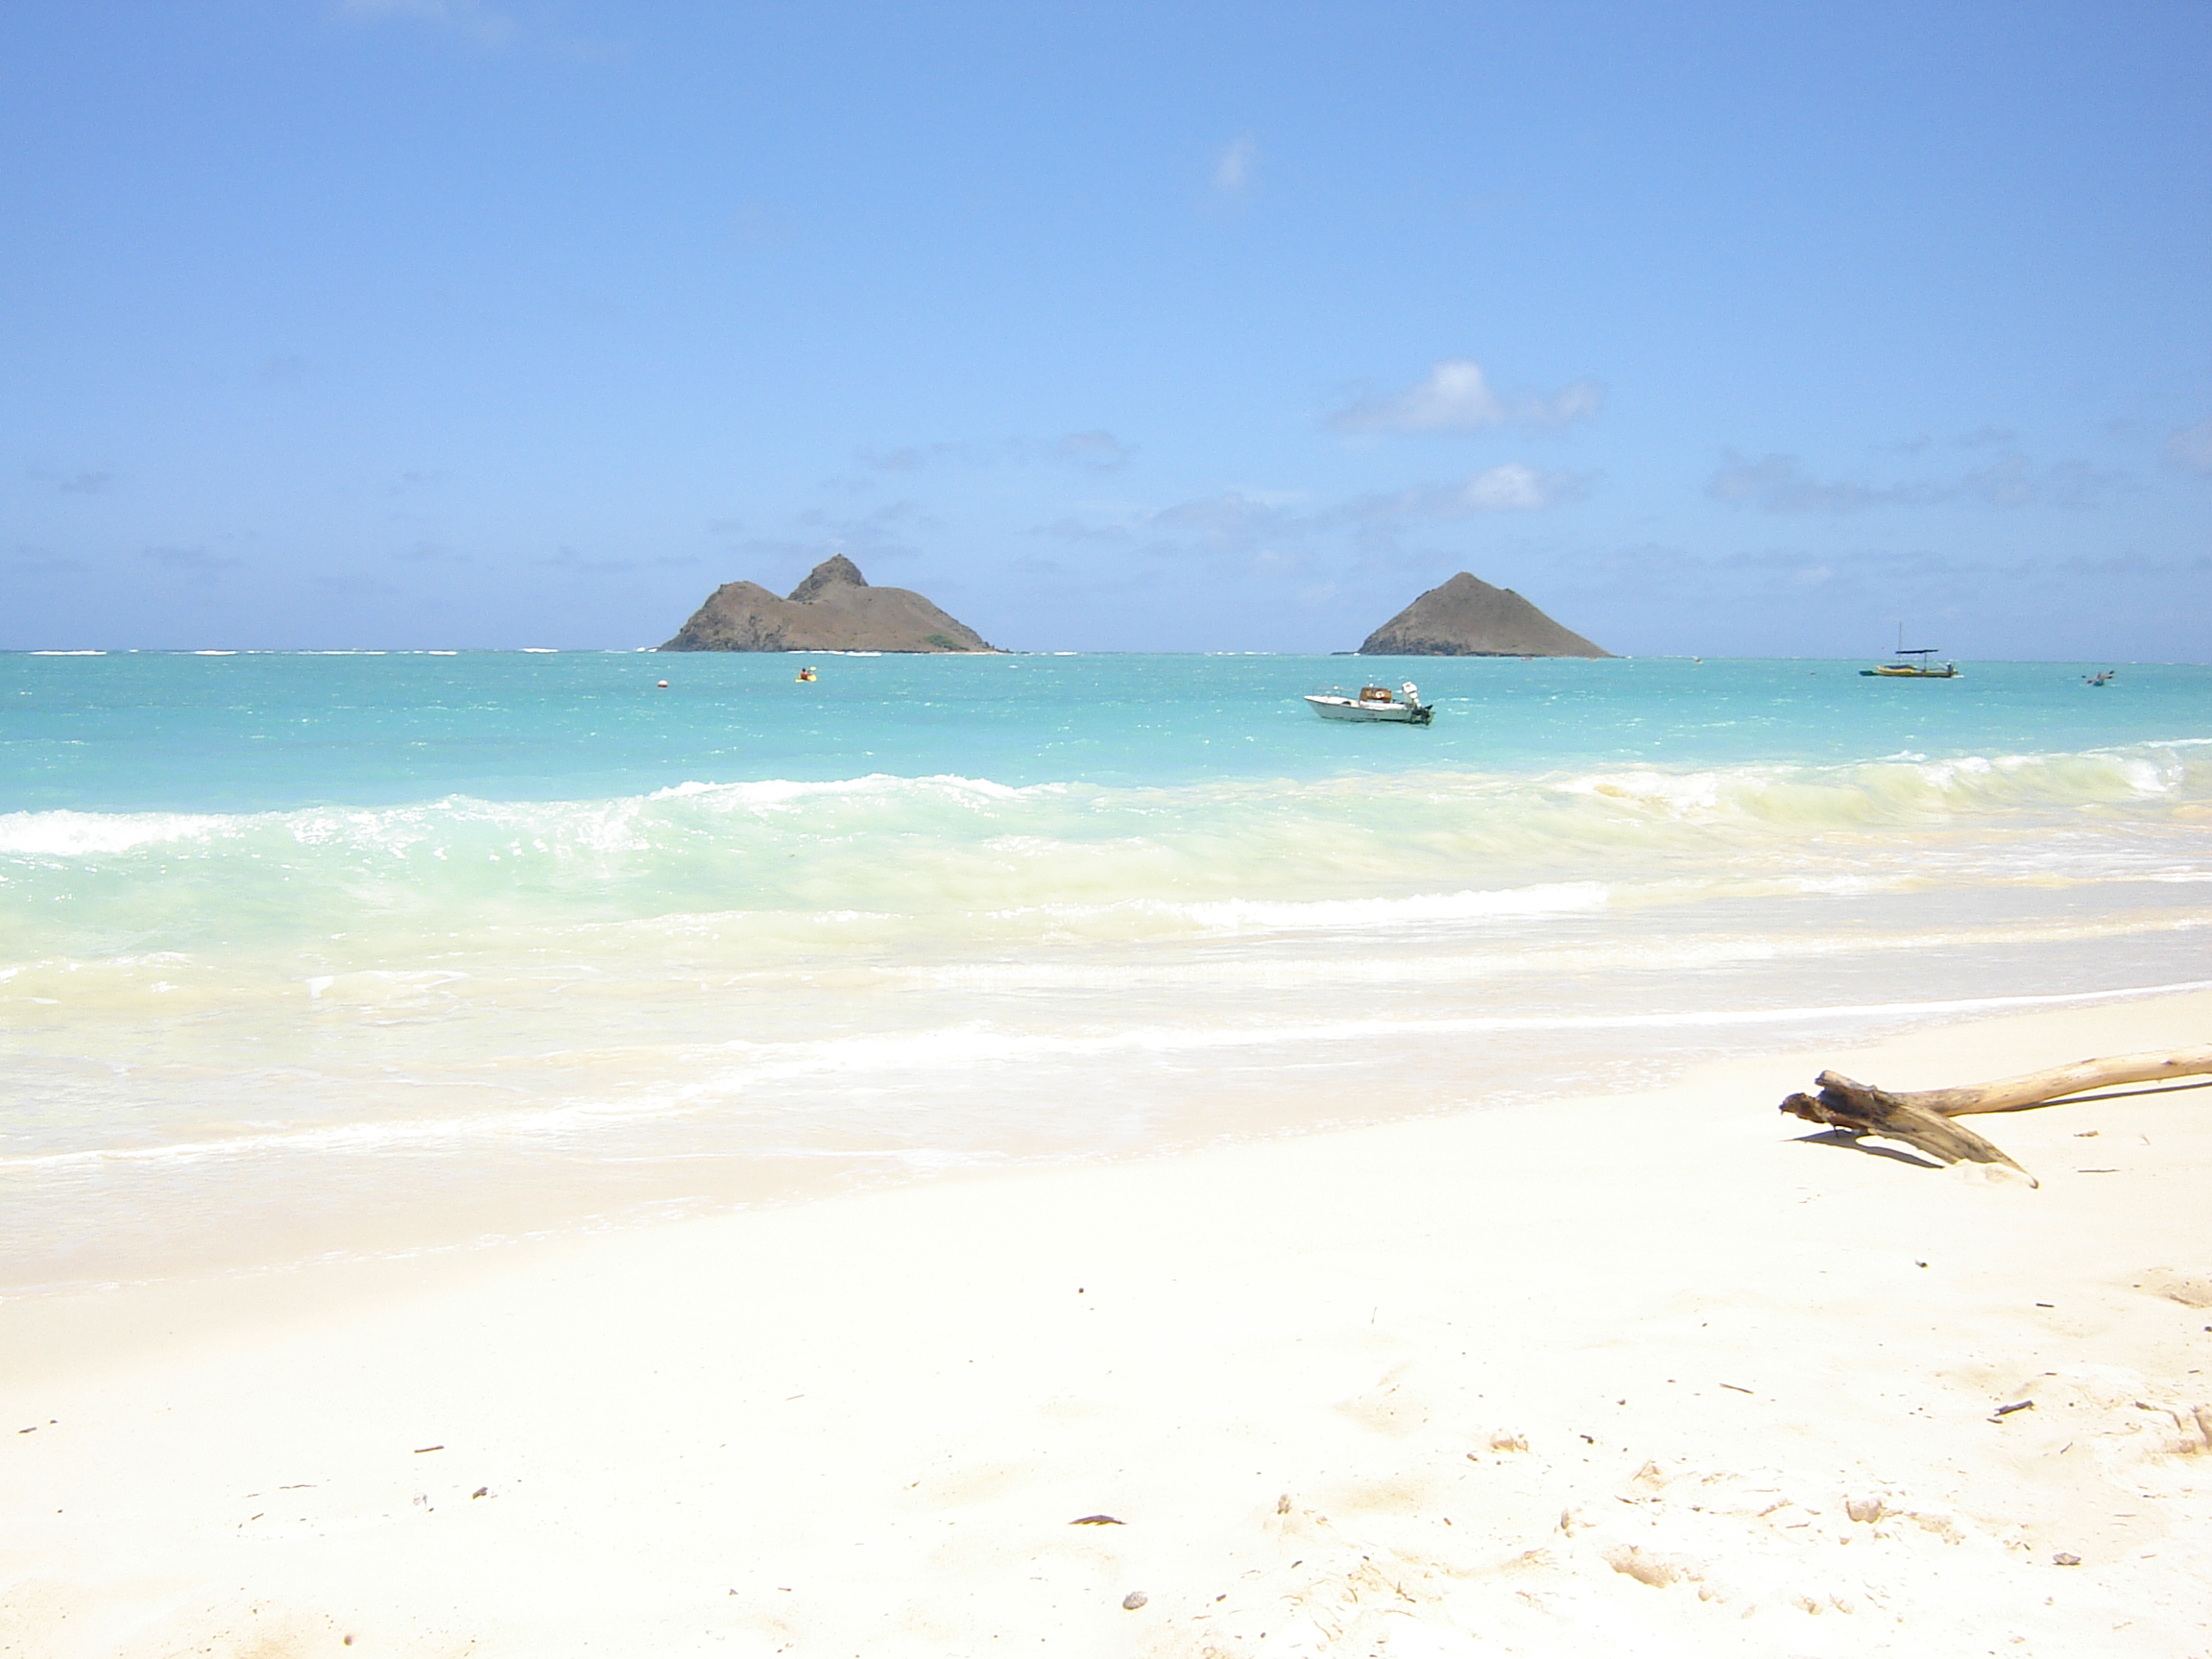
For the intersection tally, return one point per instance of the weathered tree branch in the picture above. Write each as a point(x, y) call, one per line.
point(1921, 1118)
point(2041, 1088)
point(1858, 1110)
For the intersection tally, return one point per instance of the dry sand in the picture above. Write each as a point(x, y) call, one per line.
point(1637, 1376)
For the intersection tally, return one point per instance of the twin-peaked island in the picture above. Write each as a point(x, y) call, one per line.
point(835, 610)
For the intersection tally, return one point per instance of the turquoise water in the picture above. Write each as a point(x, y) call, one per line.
point(259, 732)
point(303, 954)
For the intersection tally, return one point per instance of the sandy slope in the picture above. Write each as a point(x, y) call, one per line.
point(1641, 1376)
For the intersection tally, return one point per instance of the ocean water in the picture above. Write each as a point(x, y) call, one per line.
point(305, 954)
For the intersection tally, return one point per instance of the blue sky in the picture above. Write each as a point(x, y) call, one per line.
point(1728, 329)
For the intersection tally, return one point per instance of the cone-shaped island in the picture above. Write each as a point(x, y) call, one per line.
point(1468, 617)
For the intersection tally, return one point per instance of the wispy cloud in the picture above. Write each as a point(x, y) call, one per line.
point(38, 562)
point(1095, 451)
point(1457, 396)
point(914, 457)
point(286, 368)
point(352, 587)
point(2190, 448)
point(756, 226)
point(1511, 487)
point(1252, 522)
point(1780, 484)
point(1072, 528)
point(1233, 514)
point(1235, 167)
point(881, 534)
point(575, 563)
point(467, 18)
point(1881, 573)
point(536, 25)
point(73, 483)
point(196, 562)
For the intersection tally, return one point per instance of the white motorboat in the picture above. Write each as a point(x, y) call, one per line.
point(1403, 706)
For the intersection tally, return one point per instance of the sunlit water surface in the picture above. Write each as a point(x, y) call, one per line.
point(312, 953)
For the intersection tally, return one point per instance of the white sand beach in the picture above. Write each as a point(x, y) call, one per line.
point(1634, 1375)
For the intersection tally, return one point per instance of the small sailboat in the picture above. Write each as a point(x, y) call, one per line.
point(1403, 706)
point(1911, 665)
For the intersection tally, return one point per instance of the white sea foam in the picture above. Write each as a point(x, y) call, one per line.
point(1245, 915)
point(66, 834)
point(964, 1046)
point(1556, 899)
point(1326, 822)
point(780, 793)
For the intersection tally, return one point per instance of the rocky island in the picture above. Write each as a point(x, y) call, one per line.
point(1468, 617)
point(834, 610)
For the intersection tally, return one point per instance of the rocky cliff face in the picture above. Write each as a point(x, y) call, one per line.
point(834, 610)
point(1468, 617)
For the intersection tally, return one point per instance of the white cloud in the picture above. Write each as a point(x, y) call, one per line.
point(1510, 487)
point(1457, 396)
point(1513, 488)
point(1235, 165)
point(2191, 447)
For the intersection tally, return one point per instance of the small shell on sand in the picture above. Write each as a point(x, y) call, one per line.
point(1135, 1600)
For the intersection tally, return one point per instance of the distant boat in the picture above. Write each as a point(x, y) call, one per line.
point(2102, 678)
point(1911, 665)
point(1403, 706)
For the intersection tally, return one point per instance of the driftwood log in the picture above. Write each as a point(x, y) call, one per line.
point(1921, 1118)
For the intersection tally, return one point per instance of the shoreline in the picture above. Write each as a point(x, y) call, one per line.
point(526, 1202)
point(1606, 1375)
